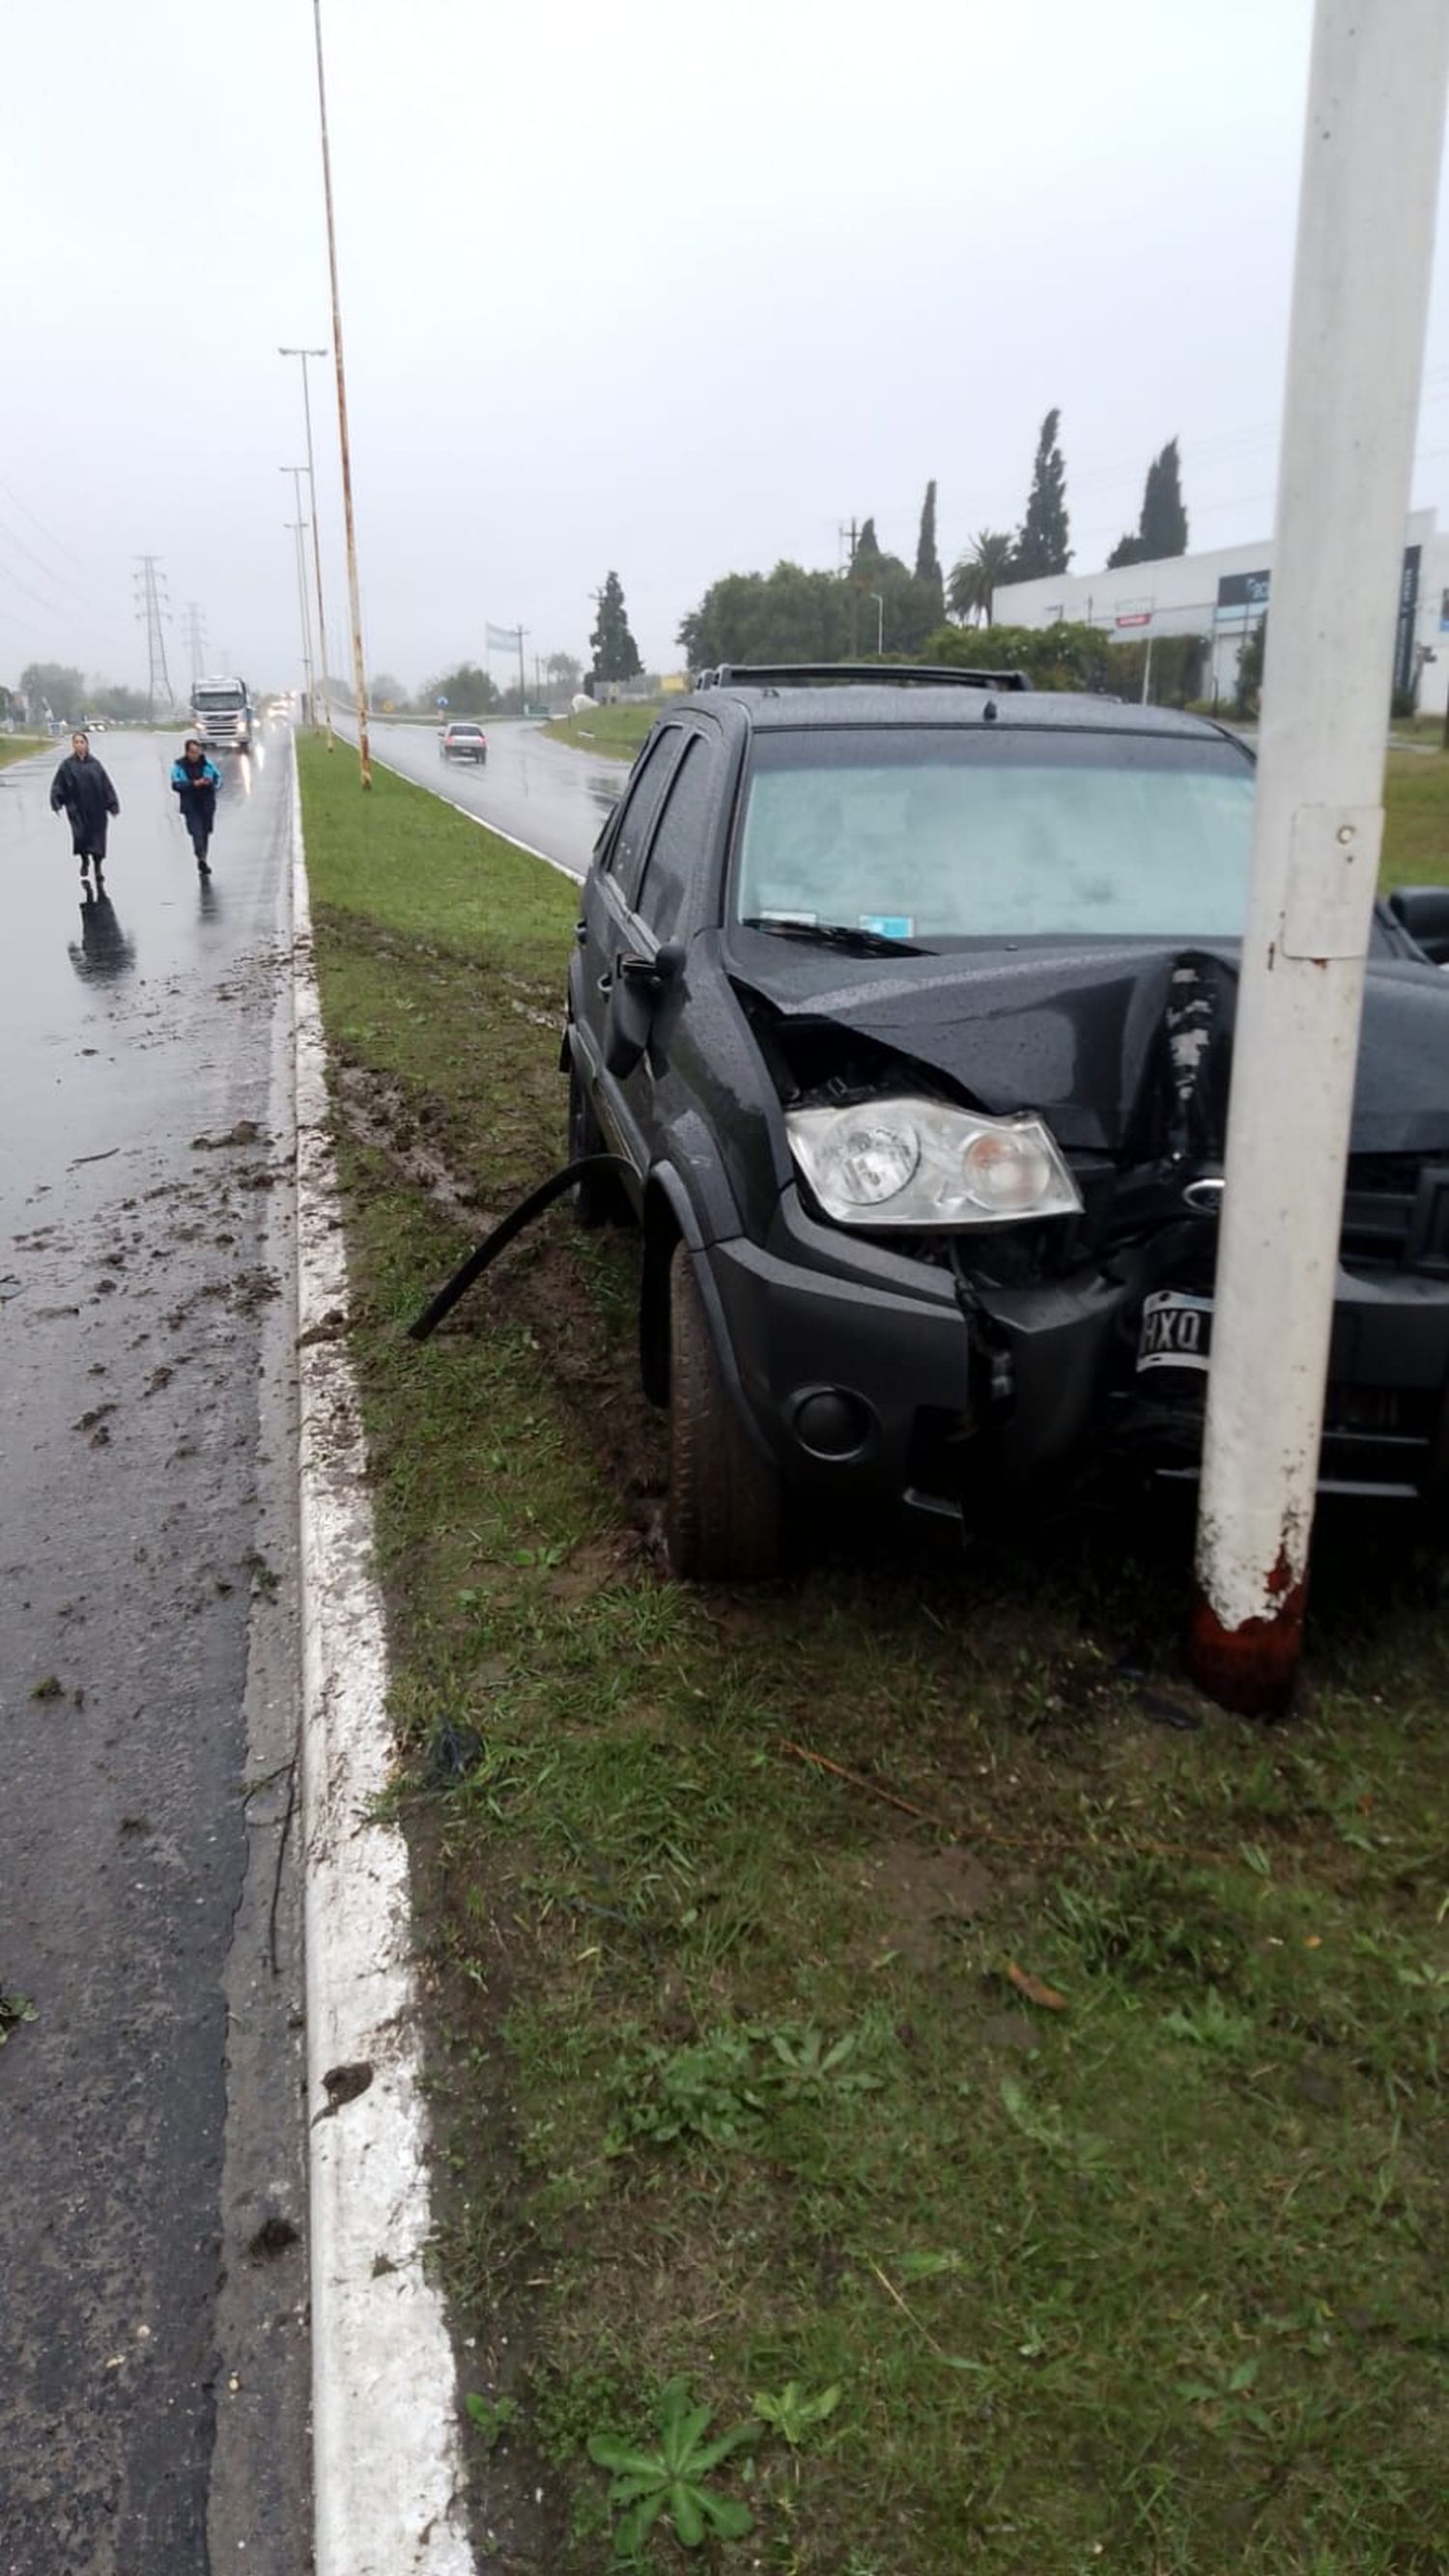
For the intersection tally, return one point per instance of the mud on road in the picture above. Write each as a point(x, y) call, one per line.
point(152, 2337)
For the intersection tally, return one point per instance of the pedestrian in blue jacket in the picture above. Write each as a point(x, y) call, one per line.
point(196, 783)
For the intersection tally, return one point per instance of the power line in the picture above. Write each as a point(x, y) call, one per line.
point(45, 570)
point(52, 607)
point(56, 543)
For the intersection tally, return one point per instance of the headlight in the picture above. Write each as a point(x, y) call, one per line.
point(919, 1163)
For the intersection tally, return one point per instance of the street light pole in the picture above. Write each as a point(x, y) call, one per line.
point(359, 675)
point(295, 531)
point(1372, 144)
point(304, 355)
point(297, 472)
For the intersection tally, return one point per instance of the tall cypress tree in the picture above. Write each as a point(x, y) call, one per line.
point(1041, 544)
point(928, 562)
point(613, 651)
point(1162, 526)
point(1164, 518)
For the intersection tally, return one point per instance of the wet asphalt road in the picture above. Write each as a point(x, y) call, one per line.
point(152, 2368)
point(542, 792)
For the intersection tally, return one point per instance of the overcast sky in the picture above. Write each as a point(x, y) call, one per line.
point(673, 290)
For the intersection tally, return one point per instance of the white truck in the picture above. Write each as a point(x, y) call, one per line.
point(223, 715)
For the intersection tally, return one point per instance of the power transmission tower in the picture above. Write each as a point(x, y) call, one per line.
point(195, 639)
point(152, 607)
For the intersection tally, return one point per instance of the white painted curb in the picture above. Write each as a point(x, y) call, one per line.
point(387, 2464)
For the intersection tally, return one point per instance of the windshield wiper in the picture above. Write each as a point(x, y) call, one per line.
point(836, 934)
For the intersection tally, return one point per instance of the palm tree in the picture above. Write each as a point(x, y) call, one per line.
point(979, 574)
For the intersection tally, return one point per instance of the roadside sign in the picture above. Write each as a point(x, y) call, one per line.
point(442, 702)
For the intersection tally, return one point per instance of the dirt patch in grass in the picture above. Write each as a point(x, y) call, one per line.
point(894, 1984)
point(915, 1903)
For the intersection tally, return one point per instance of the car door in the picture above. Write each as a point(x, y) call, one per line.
point(605, 930)
point(645, 1001)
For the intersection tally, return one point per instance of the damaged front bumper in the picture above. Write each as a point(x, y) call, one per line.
point(869, 1370)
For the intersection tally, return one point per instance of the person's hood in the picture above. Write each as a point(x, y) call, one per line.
point(1097, 1037)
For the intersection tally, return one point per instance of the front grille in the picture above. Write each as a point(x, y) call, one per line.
point(1396, 1215)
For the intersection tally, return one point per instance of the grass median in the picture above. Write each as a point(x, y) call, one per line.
point(889, 2004)
point(614, 731)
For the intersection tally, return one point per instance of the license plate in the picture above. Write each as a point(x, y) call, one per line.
point(1176, 1331)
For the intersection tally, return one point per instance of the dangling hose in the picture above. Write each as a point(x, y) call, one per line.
point(502, 1235)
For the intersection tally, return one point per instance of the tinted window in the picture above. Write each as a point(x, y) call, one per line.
point(1009, 834)
point(642, 800)
point(677, 851)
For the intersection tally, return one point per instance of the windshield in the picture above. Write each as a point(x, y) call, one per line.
point(217, 701)
point(472, 731)
point(1001, 834)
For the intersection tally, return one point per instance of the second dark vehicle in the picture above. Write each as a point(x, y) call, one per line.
point(907, 1000)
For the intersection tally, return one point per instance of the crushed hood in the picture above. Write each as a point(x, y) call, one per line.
point(1101, 1038)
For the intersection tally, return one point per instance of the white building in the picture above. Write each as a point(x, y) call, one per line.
point(1221, 598)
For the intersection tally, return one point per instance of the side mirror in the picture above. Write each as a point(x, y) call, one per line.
point(663, 968)
point(638, 988)
point(1424, 912)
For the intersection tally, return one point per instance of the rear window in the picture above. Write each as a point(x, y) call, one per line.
point(996, 834)
point(472, 730)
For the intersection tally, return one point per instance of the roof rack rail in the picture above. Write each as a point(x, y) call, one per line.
point(887, 675)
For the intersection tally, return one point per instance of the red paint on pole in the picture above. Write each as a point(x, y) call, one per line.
point(1251, 1669)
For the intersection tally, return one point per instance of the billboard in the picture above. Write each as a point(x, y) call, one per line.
point(1247, 594)
point(1408, 614)
point(1246, 591)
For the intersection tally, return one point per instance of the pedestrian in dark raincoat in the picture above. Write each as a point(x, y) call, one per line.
point(82, 792)
point(196, 783)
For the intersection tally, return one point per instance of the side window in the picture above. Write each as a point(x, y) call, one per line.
point(678, 850)
point(642, 800)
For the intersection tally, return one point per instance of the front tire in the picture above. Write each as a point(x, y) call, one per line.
point(724, 1520)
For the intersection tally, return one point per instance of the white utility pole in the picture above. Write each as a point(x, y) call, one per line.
point(325, 685)
point(300, 525)
point(1372, 146)
point(359, 673)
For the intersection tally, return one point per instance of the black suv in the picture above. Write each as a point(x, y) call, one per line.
point(906, 999)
